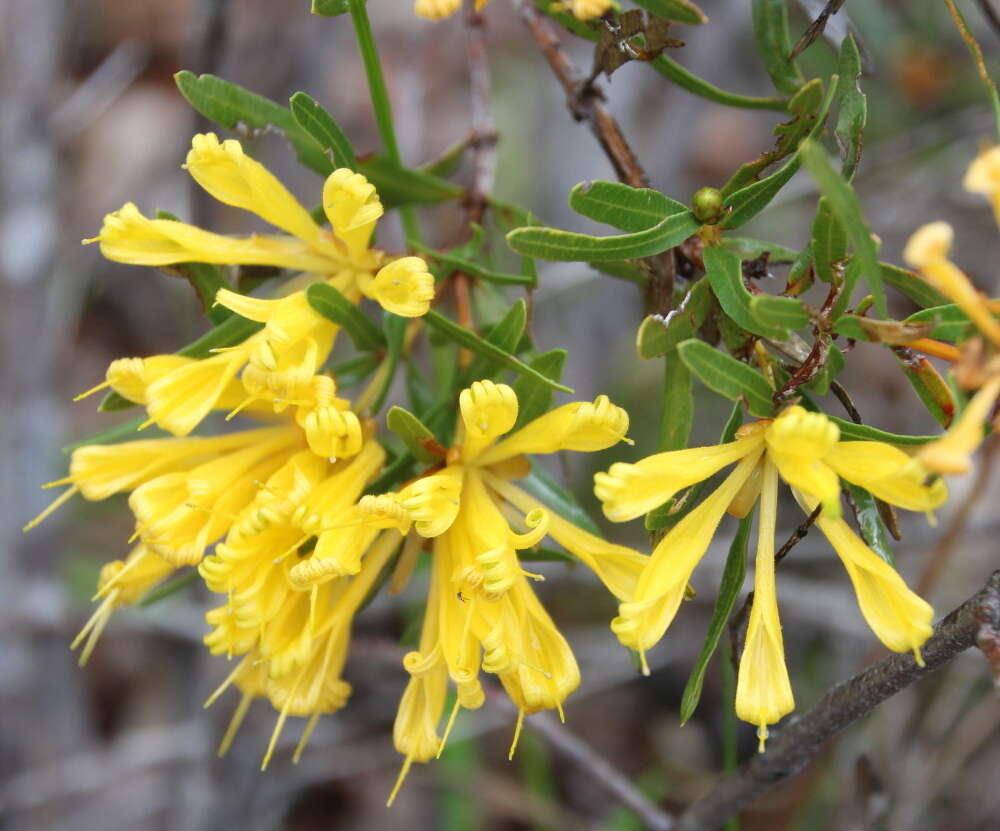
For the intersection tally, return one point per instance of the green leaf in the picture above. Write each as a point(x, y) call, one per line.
point(319, 124)
point(873, 530)
point(472, 341)
point(505, 335)
point(660, 334)
point(849, 431)
point(847, 209)
point(733, 576)
point(329, 8)
point(466, 266)
point(684, 78)
point(206, 279)
point(677, 414)
point(171, 587)
point(774, 45)
point(534, 398)
point(330, 303)
point(551, 244)
point(415, 434)
point(853, 105)
point(744, 204)
point(540, 484)
point(623, 207)
point(398, 185)
point(833, 366)
point(891, 332)
point(394, 327)
point(622, 270)
point(236, 108)
point(230, 332)
point(354, 370)
point(728, 377)
point(724, 271)
point(683, 11)
point(931, 388)
point(829, 243)
point(950, 322)
point(912, 286)
point(752, 249)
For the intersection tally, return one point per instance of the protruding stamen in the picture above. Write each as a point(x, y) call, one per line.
point(91, 391)
point(447, 730)
point(234, 724)
point(56, 503)
point(399, 781)
point(517, 735)
point(306, 735)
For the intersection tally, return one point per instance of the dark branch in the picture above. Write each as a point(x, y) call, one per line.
point(975, 621)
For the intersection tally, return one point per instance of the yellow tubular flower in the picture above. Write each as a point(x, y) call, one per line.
point(927, 251)
point(763, 691)
point(797, 442)
point(404, 287)
point(439, 9)
point(983, 176)
point(951, 454)
point(352, 206)
point(642, 621)
point(488, 411)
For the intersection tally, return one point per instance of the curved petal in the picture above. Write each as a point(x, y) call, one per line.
point(797, 442)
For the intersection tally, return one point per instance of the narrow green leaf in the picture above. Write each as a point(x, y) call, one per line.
point(683, 11)
point(540, 484)
point(950, 322)
point(752, 249)
point(319, 124)
point(660, 334)
point(354, 370)
point(829, 243)
point(165, 590)
point(394, 327)
point(912, 286)
point(733, 576)
point(779, 312)
point(724, 271)
point(849, 431)
point(466, 266)
point(873, 530)
point(398, 185)
point(230, 332)
point(415, 434)
point(505, 335)
point(892, 332)
point(853, 114)
point(534, 398)
point(551, 244)
point(677, 414)
point(622, 270)
point(472, 341)
point(774, 44)
point(728, 377)
point(235, 108)
point(623, 207)
point(684, 78)
point(329, 8)
point(847, 209)
point(929, 386)
point(330, 303)
point(206, 279)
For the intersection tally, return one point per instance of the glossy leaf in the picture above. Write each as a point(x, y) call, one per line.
point(733, 576)
point(415, 434)
point(728, 377)
point(319, 124)
point(472, 341)
point(235, 108)
point(330, 303)
point(623, 207)
point(870, 523)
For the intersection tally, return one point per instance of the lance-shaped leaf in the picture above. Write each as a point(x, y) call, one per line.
point(623, 207)
point(230, 332)
point(355, 370)
point(853, 106)
point(828, 244)
point(949, 322)
point(728, 377)
point(394, 328)
point(847, 209)
point(505, 335)
point(319, 124)
point(892, 332)
point(567, 246)
point(466, 266)
point(745, 203)
point(417, 437)
point(753, 249)
point(660, 334)
point(849, 431)
point(683, 11)
point(534, 398)
point(473, 342)
point(910, 284)
point(930, 387)
point(398, 185)
point(774, 45)
point(733, 576)
point(330, 303)
point(235, 108)
point(677, 412)
point(870, 523)
point(725, 273)
point(171, 587)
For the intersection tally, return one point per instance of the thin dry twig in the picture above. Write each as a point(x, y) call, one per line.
point(798, 743)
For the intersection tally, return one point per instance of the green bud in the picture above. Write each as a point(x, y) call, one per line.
point(707, 205)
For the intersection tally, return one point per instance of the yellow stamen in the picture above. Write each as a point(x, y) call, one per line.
point(234, 724)
point(447, 730)
point(517, 734)
point(399, 781)
point(92, 390)
point(306, 735)
point(56, 503)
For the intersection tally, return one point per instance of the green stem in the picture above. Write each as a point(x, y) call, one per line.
point(380, 101)
point(729, 750)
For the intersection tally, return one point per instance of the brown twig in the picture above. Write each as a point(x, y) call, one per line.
point(798, 743)
point(483, 139)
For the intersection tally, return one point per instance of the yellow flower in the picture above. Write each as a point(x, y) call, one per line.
point(581, 9)
point(927, 251)
point(482, 613)
point(804, 449)
point(278, 362)
point(951, 454)
point(983, 176)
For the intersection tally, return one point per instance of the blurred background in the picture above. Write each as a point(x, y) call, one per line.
point(90, 118)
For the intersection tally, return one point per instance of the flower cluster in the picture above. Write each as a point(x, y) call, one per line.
point(804, 449)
